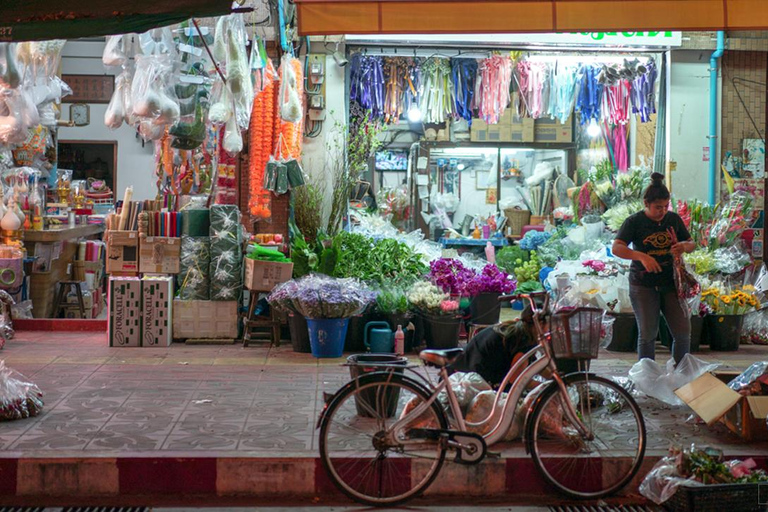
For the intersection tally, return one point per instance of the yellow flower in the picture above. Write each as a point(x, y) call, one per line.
point(726, 299)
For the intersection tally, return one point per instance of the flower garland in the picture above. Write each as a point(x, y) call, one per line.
point(261, 144)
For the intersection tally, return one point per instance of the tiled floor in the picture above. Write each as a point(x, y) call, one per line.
point(209, 400)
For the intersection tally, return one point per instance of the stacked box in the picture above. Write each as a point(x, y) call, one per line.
point(159, 255)
point(205, 319)
point(156, 319)
point(124, 312)
point(122, 251)
point(194, 278)
point(226, 253)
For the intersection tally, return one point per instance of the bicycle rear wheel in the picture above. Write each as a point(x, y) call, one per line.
point(575, 464)
point(356, 452)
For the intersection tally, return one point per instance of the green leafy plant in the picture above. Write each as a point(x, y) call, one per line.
point(308, 208)
point(392, 301)
point(380, 261)
point(511, 257)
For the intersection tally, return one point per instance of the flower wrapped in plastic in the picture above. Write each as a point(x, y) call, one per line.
point(319, 296)
point(732, 259)
point(18, 397)
point(730, 221)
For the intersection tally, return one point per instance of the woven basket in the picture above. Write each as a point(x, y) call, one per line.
point(517, 219)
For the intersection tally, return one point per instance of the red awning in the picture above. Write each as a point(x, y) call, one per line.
point(327, 17)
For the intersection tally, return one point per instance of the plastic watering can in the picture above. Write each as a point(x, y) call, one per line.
point(378, 338)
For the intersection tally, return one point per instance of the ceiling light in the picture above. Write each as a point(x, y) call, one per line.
point(414, 114)
point(593, 130)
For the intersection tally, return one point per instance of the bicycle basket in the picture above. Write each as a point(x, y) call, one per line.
point(576, 333)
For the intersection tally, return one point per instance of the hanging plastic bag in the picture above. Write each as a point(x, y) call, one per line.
point(114, 52)
point(233, 138)
point(270, 175)
point(221, 104)
point(149, 93)
point(9, 68)
point(189, 131)
point(115, 113)
point(158, 41)
point(238, 72)
point(295, 174)
point(290, 103)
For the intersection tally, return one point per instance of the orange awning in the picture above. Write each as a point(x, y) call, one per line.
point(326, 17)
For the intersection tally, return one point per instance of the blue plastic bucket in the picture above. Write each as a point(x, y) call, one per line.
point(327, 335)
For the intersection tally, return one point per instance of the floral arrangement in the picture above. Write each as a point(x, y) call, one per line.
point(319, 296)
point(730, 221)
point(739, 301)
point(450, 275)
point(392, 300)
point(427, 298)
point(490, 280)
point(630, 185)
point(701, 261)
point(617, 214)
point(697, 217)
point(534, 239)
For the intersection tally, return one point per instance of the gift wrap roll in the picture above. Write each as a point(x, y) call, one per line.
point(194, 276)
point(226, 253)
point(196, 223)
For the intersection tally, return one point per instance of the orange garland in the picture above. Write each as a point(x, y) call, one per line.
point(261, 132)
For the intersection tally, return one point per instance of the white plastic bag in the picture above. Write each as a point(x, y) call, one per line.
point(290, 103)
point(233, 139)
point(114, 51)
point(115, 113)
point(9, 68)
point(661, 382)
point(662, 481)
point(238, 71)
point(150, 94)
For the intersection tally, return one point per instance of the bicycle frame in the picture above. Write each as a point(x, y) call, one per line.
point(504, 422)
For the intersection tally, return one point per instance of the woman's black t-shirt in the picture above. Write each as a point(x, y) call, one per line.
point(653, 238)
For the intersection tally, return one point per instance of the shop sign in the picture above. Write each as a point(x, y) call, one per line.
point(640, 39)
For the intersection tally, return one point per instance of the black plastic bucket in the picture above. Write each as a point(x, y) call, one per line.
point(724, 332)
point(297, 326)
point(624, 337)
point(485, 309)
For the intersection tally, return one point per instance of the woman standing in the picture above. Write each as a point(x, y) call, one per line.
point(652, 234)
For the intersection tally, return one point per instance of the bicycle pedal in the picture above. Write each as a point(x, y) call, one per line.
point(493, 455)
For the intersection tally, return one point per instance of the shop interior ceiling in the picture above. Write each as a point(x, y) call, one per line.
point(32, 20)
point(325, 17)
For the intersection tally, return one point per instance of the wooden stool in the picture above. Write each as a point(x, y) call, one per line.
point(271, 324)
point(61, 295)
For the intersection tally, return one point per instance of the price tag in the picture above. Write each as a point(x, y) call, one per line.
point(191, 79)
point(192, 31)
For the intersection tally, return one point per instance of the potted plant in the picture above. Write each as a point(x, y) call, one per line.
point(484, 290)
point(726, 317)
point(327, 304)
point(440, 314)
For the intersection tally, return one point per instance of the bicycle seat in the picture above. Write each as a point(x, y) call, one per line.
point(440, 358)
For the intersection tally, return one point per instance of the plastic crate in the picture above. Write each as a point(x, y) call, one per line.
point(716, 498)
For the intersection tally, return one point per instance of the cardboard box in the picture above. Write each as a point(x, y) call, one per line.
point(123, 251)
point(552, 130)
point(159, 255)
point(124, 312)
point(205, 319)
point(156, 311)
point(710, 397)
point(507, 130)
point(262, 276)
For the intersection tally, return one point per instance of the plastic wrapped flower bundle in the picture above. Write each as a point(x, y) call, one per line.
point(701, 261)
point(617, 214)
point(427, 298)
point(731, 220)
point(450, 275)
point(738, 301)
point(319, 296)
point(490, 280)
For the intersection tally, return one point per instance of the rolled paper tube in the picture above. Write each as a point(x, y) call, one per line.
point(124, 213)
point(81, 251)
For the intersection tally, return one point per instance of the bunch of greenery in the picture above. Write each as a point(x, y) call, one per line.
point(308, 207)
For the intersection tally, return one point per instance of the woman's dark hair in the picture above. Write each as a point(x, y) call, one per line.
point(656, 191)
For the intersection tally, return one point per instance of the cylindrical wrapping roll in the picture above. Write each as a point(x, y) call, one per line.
point(194, 276)
point(196, 223)
point(226, 253)
point(81, 250)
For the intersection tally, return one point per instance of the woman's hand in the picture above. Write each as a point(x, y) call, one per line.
point(650, 263)
point(680, 248)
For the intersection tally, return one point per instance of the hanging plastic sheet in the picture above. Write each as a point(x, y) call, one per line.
point(590, 94)
point(437, 101)
point(464, 73)
point(367, 83)
point(644, 92)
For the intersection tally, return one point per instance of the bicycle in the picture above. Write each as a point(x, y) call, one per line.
point(373, 425)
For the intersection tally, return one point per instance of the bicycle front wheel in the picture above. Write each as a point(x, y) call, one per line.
point(357, 447)
point(600, 463)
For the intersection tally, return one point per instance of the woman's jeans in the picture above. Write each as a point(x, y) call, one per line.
point(648, 304)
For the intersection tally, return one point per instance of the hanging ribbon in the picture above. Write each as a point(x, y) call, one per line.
point(563, 92)
point(367, 83)
point(411, 96)
point(521, 75)
point(464, 74)
point(644, 92)
point(590, 94)
point(537, 79)
point(616, 102)
point(492, 89)
point(620, 153)
point(395, 69)
point(437, 90)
